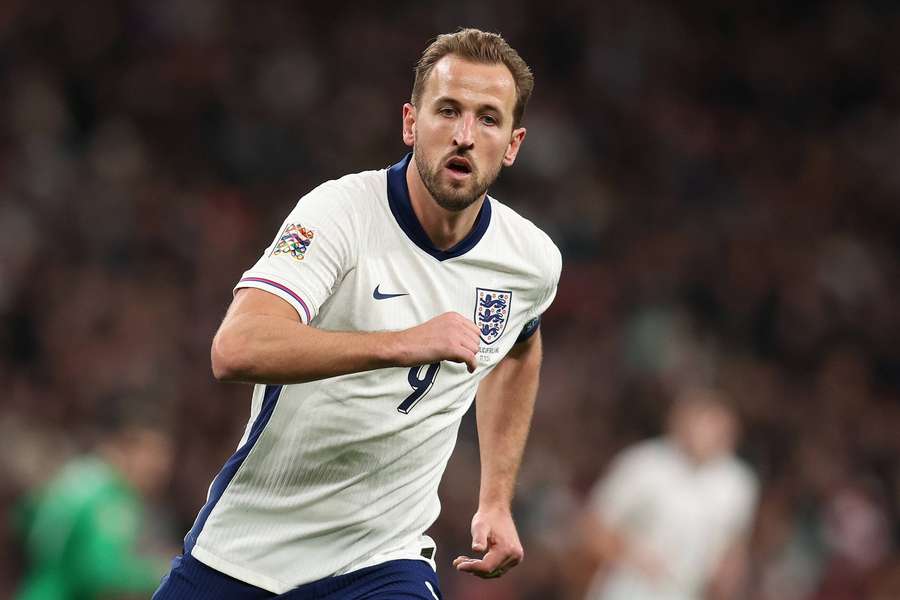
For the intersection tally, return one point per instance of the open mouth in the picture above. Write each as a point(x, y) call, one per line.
point(459, 165)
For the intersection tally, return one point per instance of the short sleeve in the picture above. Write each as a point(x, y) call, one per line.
point(614, 497)
point(745, 496)
point(547, 293)
point(312, 251)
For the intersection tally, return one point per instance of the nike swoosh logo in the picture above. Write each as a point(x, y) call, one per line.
point(379, 296)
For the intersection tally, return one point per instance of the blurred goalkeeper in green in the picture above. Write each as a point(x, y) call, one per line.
point(82, 530)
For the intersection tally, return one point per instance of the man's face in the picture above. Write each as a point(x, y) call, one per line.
point(149, 456)
point(704, 431)
point(462, 129)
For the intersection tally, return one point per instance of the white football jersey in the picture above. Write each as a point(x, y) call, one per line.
point(687, 515)
point(342, 473)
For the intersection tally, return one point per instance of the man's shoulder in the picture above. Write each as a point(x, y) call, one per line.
point(353, 187)
point(85, 475)
point(352, 198)
point(740, 473)
point(522, 226)
point(655, 450)
point(525, 237)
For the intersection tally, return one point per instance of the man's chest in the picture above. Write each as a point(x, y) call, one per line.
point(393, 290)
point(677, 498)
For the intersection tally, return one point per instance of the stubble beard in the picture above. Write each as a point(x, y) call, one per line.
point(448, 197)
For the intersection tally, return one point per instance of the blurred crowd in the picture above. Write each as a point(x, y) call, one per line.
point(721, 177)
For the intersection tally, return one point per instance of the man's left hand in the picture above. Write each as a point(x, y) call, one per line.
point(494, 533)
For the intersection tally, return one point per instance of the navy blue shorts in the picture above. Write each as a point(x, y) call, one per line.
point(190, 579)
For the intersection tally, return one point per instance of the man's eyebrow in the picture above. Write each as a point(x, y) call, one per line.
point(456, 103)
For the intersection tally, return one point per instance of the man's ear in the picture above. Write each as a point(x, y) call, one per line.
point(512, 150)
point(409, 124)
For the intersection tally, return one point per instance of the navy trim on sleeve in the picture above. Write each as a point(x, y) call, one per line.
point(529, 329)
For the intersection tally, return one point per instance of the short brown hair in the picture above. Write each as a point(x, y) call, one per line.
point(481, 47)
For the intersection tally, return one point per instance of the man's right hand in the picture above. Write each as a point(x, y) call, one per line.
point(449, 336)
point(263, 340)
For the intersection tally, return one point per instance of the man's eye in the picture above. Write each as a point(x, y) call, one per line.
point(447, 111)
point(488, 120)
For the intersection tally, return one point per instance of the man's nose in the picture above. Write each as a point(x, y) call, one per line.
point(464, 135)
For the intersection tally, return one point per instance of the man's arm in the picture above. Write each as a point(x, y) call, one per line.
point(262, 340)
point(503, 408)
point(604, 545)
point(730, 574)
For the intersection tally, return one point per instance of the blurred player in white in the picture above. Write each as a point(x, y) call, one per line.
point(386, 301)
point(670, 519)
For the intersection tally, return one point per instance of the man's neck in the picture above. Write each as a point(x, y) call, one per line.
point(445, 228)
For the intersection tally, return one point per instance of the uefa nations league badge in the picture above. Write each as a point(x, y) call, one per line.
point(491, 312)
point(294, 241)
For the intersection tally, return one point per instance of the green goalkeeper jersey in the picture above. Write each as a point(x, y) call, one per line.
point(81, 534)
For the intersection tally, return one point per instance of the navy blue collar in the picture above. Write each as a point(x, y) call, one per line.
point(398, 199)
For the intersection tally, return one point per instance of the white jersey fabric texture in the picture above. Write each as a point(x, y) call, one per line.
point(342, 473)
point(686, 515)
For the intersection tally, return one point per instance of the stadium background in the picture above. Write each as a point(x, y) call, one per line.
point(722, 178)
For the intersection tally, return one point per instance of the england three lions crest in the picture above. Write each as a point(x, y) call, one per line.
point(491, 312)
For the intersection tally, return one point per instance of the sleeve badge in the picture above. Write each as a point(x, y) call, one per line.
point(294, 241)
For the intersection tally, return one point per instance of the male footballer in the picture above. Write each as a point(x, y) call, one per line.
point(387, 301)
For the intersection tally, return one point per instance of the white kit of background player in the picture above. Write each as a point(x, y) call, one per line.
point(345, 470)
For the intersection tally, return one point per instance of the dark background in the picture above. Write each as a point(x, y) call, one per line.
point(722, 179)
